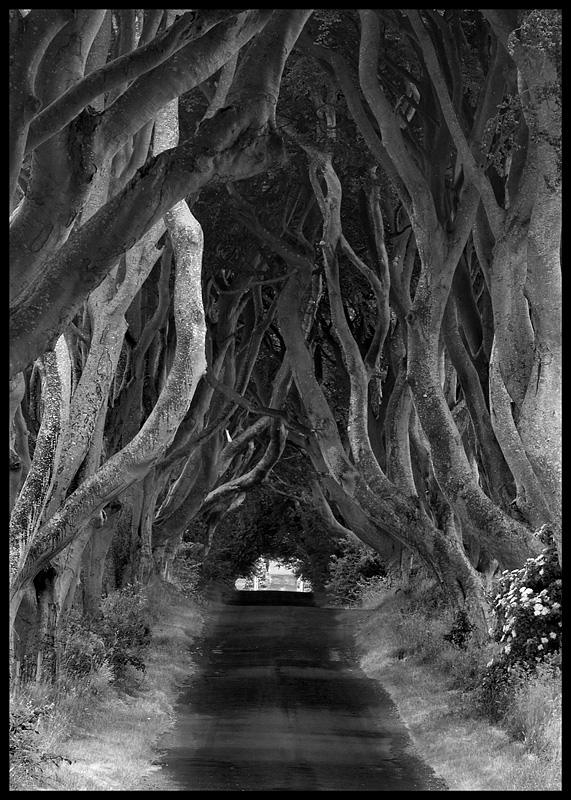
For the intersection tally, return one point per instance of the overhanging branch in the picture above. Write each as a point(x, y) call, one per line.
point(255, 408)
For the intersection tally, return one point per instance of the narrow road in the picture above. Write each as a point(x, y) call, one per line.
point(279, 703)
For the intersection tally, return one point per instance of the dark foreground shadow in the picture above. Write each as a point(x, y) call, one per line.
point(269, 598)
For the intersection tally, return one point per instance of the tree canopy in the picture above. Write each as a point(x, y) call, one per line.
point(314, 250)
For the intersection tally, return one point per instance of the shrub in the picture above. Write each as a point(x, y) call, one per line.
point(374, 591)
point(353, 572)
point(496, 692)
point(527, 626)
point(25, 754)
point(535, 715)
point(125, 627)
point(116, 638)
point(527, 610)
point(424, 596)
point(460, 631)
point(101, 679)
point(466, 667)
point(83, 651)
point(187, 571)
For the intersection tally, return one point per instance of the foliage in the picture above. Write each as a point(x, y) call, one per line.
point(496, 690)
point(527, 610)
point(272, 526)
point(83, 650)
point(352, 572)
point(535, 714)
point(187, 571)
point(269, 526)
point(94, 652)
point(541, 29)
point(460, 631)
point(24, 754)
point(438, 689)
point(76, 722)
point(499, 138)
point(125, 628)
point(118, 635)
point(527, 626)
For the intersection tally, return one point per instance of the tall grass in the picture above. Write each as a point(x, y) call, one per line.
point(92, 732)
point(42, 715)
point(405, 643)
point(98, 731)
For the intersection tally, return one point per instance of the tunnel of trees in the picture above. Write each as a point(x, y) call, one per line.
point(281, 262)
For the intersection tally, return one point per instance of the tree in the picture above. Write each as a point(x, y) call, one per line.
point(110, 181)
point(470, 501)
point(376, 287)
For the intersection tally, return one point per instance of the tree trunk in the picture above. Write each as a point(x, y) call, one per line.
point(137, 458)
point(93, 567)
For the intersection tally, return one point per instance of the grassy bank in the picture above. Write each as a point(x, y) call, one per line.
point(437, 689)
point(92, 735)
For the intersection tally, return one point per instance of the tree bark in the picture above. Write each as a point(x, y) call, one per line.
point(239, 141)
point(29, 40)
point(138, 457)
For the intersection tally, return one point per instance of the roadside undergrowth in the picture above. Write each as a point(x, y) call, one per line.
point(93, 732)
point(405, 643)
point(98, 729)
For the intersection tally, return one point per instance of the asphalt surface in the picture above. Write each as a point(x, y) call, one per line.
point(279, 703)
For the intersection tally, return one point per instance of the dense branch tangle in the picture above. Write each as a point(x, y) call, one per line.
point(351, 250)
point(99, 164)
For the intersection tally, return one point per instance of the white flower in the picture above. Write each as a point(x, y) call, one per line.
point(507, 649)
point(544, 640)
point(540, 647)
point(553, 635)
point(537, 610)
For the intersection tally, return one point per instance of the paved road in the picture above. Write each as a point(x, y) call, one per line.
point(280, 704)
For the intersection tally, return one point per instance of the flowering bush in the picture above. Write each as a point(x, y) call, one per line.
point(527, 610)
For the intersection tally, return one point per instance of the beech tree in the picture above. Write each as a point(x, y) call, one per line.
point(465, 503)
point(350, 252)
point(84, 255)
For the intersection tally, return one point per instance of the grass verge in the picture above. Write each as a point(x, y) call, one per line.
point(89, 736)
point(93, 737)
point(435, 688)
